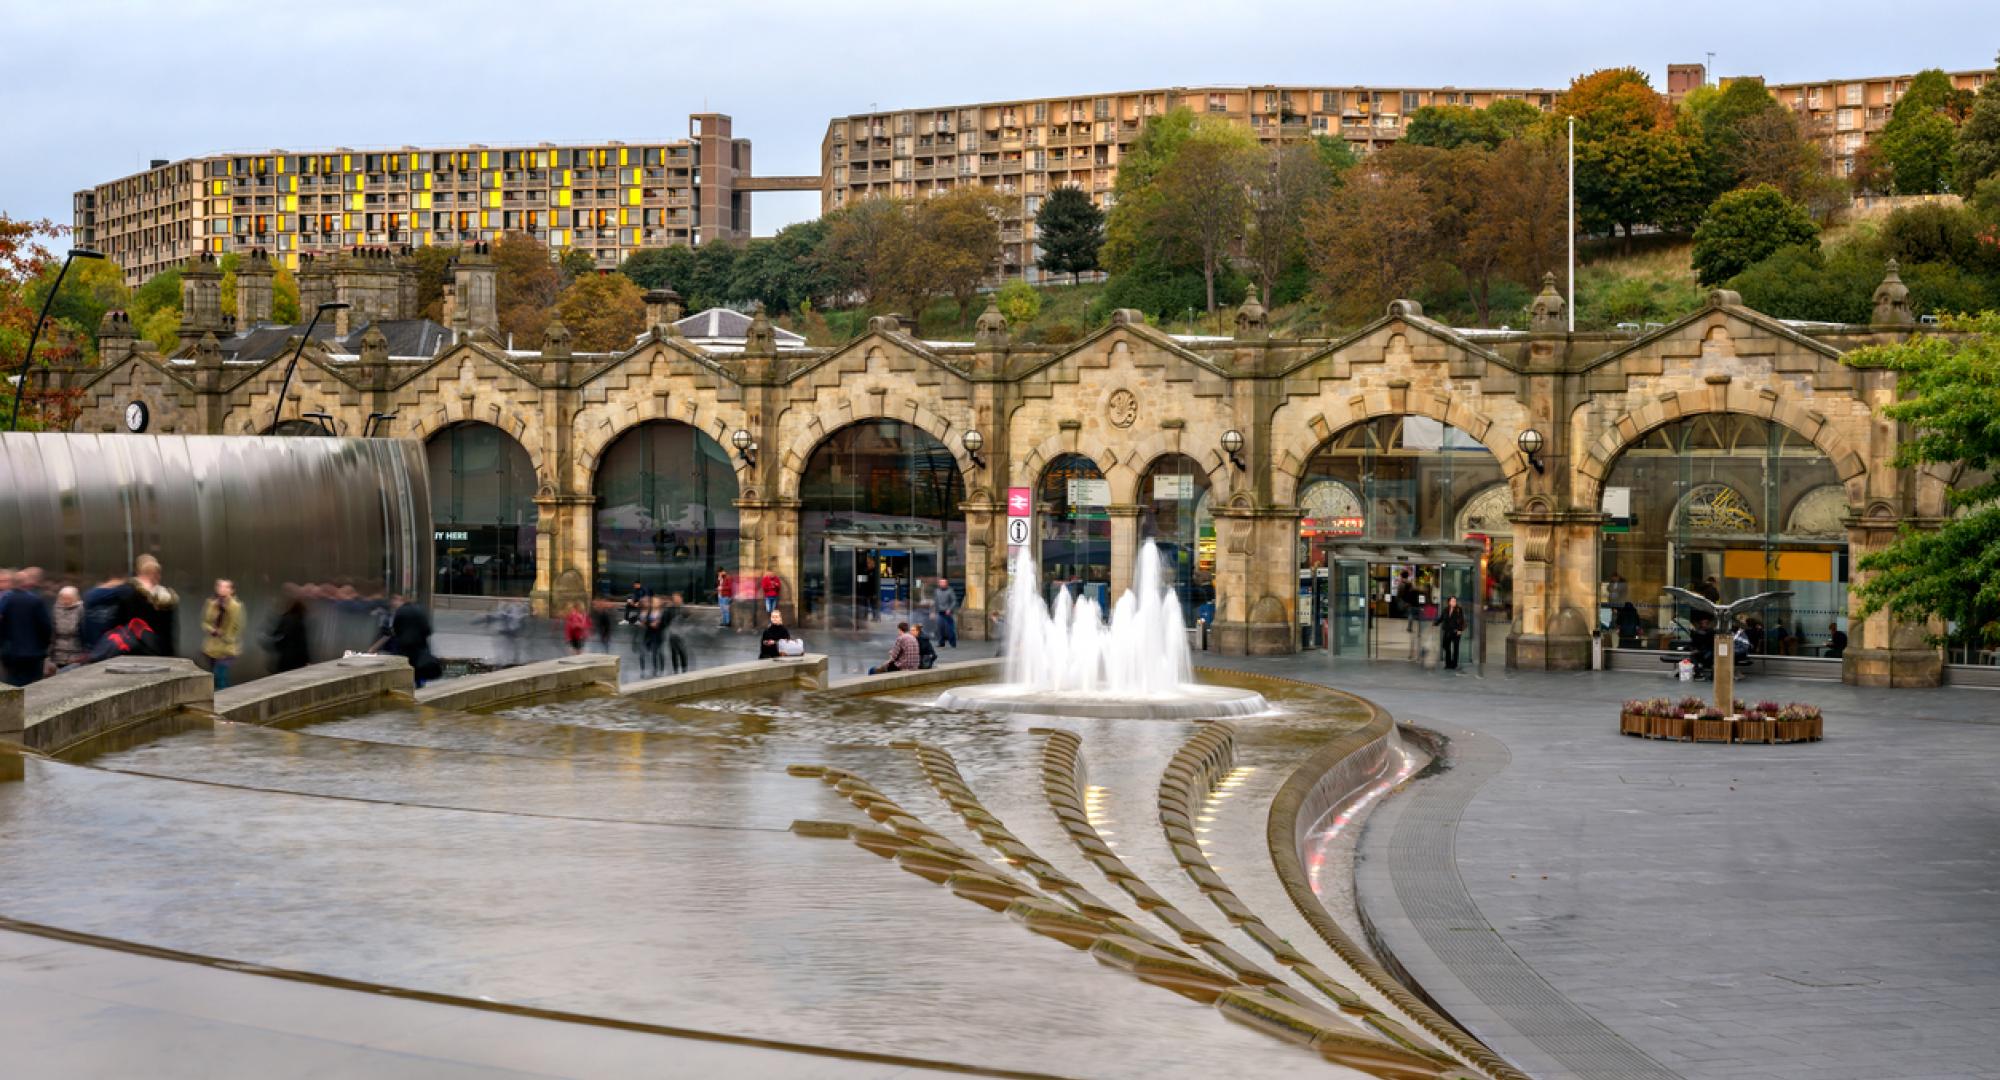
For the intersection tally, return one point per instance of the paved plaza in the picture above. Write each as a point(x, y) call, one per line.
point(1594, 905)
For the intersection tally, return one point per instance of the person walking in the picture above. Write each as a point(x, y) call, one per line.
point(904, 655)
point(410, 638)
point(652, 631)
point(26, 628)
point(146, 573)
point(725, 591)
point(222, 631)
point(66, 647)
point(945, 601)
point(674, 617)
point(1629, 626)
point(771, 588)
point(1451, 625)
point(600, 618)
point(776, 631)
point(288, 641)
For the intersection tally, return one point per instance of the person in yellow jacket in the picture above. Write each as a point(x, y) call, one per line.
point(222, 631)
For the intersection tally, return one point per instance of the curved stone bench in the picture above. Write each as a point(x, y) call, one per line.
point(898, 681)
point(806, 672)
point(588, 673)
point(316, 690)
point(63, 710)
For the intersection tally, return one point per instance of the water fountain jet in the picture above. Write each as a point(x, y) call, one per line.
point(1063, 659)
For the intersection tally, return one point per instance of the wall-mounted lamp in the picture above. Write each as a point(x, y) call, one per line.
point(1530, 443)
point(746, 447)
point(323, 419)
point(383, 418)
point(1232, 445)
point(973, 442)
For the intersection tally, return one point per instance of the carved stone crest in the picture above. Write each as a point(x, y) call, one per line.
point(1123, 408)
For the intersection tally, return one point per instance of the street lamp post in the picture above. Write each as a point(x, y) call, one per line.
point(21, 382)
point(285, 387)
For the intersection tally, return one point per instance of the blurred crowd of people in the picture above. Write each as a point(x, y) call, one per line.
point(47, 627)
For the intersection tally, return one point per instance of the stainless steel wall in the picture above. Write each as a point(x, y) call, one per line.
point(262, 512)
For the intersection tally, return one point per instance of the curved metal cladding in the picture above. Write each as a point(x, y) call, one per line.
point(338, 514)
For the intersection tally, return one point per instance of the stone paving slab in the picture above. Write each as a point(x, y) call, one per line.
point(1817, 910)
point(75, 1011)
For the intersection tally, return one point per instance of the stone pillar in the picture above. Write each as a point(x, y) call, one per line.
point(663, 308)
point(474, 284)
point(985, 545)
point(1883, 650)
point(1256, 581)
point(315, 284)
point(1124, 548)
point(115, 338)
point(563, 558)
point(254, 276)
point(201, 297)
point(1555, 590)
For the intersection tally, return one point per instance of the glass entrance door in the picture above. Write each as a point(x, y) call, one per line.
point(866, 585)
point(1461, 580)
point(1349, 624)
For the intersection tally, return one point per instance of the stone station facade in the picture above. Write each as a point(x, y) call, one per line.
point(1123, 396)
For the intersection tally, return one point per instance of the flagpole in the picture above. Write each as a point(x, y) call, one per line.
point(1571, 305)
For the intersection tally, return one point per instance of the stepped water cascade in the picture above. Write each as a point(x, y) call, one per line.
point(1064, 658)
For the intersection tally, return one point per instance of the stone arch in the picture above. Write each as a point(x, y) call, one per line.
point(1141, 459)
point(599, 427)
point(1594, 463)
point(831, 416)
point(481, 409)
point(1293, 452)
point(1028, 468)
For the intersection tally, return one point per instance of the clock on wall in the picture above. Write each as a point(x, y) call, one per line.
point(137, 416)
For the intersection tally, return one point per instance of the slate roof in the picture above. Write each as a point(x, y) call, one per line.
point(723, 325)
point(407, 337)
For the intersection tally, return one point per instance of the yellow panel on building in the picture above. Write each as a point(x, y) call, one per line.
point(292, 204)
point(624, 156)
point(355, 201)
point(484, 159)
point(562, 198)
point(565, 177)
point(493, 198)
point(347, 163)
point(1756, 565)
point(631, 196)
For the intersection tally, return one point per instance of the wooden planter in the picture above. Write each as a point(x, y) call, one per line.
point(1799, 730)
point(1714, 730)
point(1631, 723)
point(1755, 730)
point(1670, 727)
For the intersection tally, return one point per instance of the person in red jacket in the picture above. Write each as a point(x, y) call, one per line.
point(771, 586)
point(576, 629)
point(725, 591)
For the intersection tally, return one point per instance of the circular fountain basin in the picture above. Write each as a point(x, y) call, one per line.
point(1189, 701)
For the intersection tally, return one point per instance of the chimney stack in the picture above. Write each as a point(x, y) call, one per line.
point(475, 305)
point(253, 289)
point(201, 296)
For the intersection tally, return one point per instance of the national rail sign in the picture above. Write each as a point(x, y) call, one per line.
point(1020, 512)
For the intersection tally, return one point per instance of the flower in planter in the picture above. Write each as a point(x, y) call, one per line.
point(1755, 715)
point(1711, 714)
point(1693, 705)
point(1799, 711)
point(1635, 705)
point(1770, 708)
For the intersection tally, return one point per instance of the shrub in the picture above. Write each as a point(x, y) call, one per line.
point(1744, 227)
point(1020, 302)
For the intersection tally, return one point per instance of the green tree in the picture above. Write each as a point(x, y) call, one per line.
point(1201, 200)
point(603, 312)
point(1978, 147)
point(1930, 232)
point(864, 247)
point(526, 283)
point(1950, 390)
point(573, 264)
point(661, 268)
point(91, 288)
point(783, 272)
point(1126, 235)
point(1744, 226)
point(155, 309)
point(1918, 144)
point(1069, 229)
point(1020, 302)
point(712, 277)
point(1633, 167)
point(1289, 180)
point(958, 247)
point(1449, 127)
point(1743, 136)
point(1804, 282)
point(1916, 149)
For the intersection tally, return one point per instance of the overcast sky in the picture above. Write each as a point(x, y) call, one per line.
point(96, 88)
